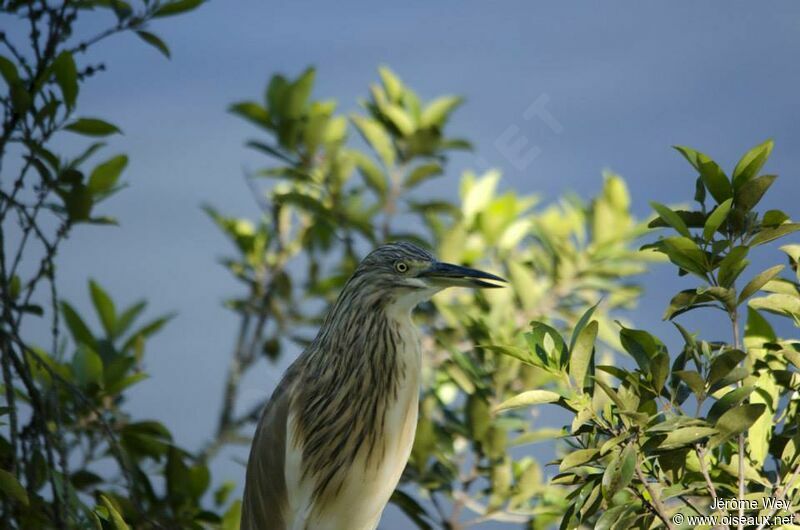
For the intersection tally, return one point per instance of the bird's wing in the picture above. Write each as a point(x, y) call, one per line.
point(265, 502)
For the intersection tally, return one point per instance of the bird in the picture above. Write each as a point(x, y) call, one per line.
point(333, 439)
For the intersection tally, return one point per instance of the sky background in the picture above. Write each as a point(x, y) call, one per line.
point(623, 82)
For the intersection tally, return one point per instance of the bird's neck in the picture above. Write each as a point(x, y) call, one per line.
point(374, 325)
point(363, 364)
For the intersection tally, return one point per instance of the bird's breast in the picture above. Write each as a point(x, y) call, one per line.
point(366, 483)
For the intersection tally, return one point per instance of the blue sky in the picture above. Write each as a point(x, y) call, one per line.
point(622, 82)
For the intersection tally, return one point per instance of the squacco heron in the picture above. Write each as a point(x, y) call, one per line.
point(337, 432)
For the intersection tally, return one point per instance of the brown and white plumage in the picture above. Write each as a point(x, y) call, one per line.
point(337, 432)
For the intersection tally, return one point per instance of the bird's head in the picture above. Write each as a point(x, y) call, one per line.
point(410, 274)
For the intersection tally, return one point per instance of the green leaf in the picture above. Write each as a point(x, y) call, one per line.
point(735, 421)
point(732, 266)
point(146, 330)
point(87, 366)
point(780, 304)
point(715, 180)
point(371, 173)
point(66, 75)
point(671, 218)
point(642, 346)
point(531, 397)
point(773, 218)
point(751, 163)
point(578, 457)
point(92, 127)
point(685, 253)
point(412, 509)
point(12, 488)
point(117, 387)
point(14, 287)
point(512, 351)
point(736, 375)
point(585, 317)
point(609, 518)
point(437, 112)
point(689, 154)
point(690, 219)
point(611, 394)
point(659, 370)
point(154, 41)
point(754, 285)
point(752, 191)
point(537, 341)
point(20, 98)
point(712, 176)
point(581, 354)
point(686, 300)
point(724, 295)
point(105, 176)
point(299, 94)
point(177, 7)
point(251, 111)
point(8, 70)
point(723, 364)
point(392, 84)
point(399, 118)
point(699, 191)
point(757, 330)
point(685, 436)
point(619, 472)
point(78, 329)
point(232, 517)
point(104, 307)
point(731, 399)
point(627, 466)
point(792, 356)
point(716, 219)
point(270, 150)
point(422, 173)
point(116, 519)
point(771, 234)
point(224, 491)
point(376, 136)
point(694, 380)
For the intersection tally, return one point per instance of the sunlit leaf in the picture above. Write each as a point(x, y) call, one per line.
point(581, 354)
point(531, 397)
point(106, 175)
point(752, 191)
point(437, 112)
point(376, 137)
point(759, 281)
point(751, 163)
point(716, 219)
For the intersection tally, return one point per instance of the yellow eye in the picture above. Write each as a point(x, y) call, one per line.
point(400, 267)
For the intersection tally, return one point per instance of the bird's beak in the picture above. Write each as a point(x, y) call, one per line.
point(449, 275)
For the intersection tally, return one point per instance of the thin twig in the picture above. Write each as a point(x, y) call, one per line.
point(701, 456)
point(659, 507)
